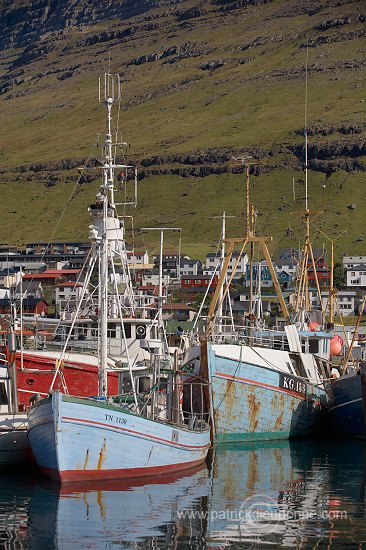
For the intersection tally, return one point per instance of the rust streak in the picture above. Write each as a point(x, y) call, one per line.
point(278, 422)
point(229, 396)
point(86, 459)
point(253, 477)
point(253, 410)
point(101, 456)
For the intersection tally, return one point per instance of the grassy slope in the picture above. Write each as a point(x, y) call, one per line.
point(182, 109)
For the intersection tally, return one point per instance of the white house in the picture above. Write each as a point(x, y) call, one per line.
point(356, 276)
point(212, 259)
point(146, 295)
point(190, 267)
point(66, 295)
point(344, 303)
point(352, 261)
point(137, 259)
point(151, 277)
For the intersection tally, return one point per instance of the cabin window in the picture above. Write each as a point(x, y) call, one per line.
point(127, 328)
point(127, 385)
point(314, 346)
point(296, 364)
point(111, 330)
point(3, 394)
point(144, 384)
point(291, 368)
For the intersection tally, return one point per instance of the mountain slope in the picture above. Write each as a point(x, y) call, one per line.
point(203, 81)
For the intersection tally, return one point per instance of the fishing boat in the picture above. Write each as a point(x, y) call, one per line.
point(127, 435)
point(265, 384)
point(40, 341)
point(347, 394)
point(346, 405)
point(14, 445)
point(36, 367)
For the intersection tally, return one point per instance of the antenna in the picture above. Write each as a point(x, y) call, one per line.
point(306, 126)
point(110, 89)
point(332, 290)
point(246, 161)
point(160, 296)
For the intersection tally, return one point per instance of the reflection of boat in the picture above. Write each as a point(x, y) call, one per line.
point(288, 494)
point(304, 484)
point(93, 514)
point(265, 488)
point(132, 433)
point(16, 488)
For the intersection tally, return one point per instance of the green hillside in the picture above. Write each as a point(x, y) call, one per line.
point(203, 81)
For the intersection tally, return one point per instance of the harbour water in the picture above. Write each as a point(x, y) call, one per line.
point(308, 494)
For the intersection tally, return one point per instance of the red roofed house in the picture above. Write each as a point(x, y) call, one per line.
point(50, 276)
point(31, 306)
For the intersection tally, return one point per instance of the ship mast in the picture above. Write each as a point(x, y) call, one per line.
point(250, 238)
point(302, 294)
point(108, 231)
point(332, 291)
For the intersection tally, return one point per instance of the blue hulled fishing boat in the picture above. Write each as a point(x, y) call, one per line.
point(130, 434)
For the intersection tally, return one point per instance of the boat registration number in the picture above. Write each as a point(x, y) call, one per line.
point(116, 419)
point(293, 384)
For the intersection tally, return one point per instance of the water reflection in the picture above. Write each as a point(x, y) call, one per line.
point(298, 494)
point(15, 495)
point(140, 513)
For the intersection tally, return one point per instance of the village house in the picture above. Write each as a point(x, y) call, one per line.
point(150, 277)
point(29, 289)
point(198, 283)
point(10, 277)
point(67, 295)
point(65, 247)
point(352, 261)
point(178, 312)
point(344, 303)
point(136, 259)
point(213, 260)
point(356, 276)
point(30, 306)
point(170, 263)
point(190, 267)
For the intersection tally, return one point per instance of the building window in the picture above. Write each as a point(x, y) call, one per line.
point(187, 281)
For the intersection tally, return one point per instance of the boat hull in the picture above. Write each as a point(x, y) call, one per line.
point(14, 444)
point(256, 403)
point(35, 372)
point(346, 408)
point(74, 439)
